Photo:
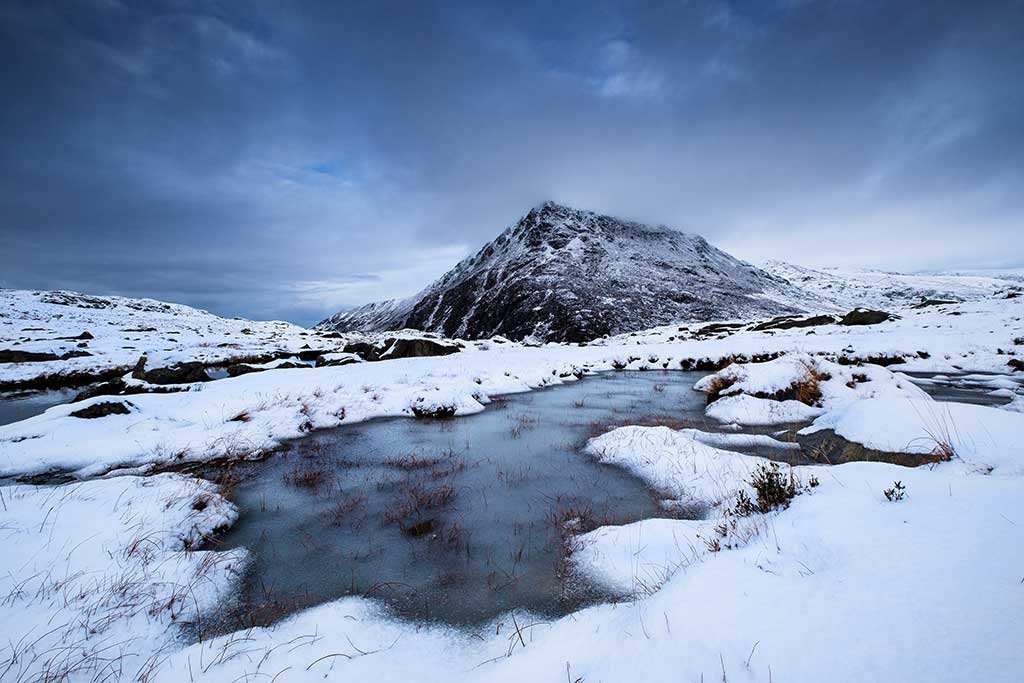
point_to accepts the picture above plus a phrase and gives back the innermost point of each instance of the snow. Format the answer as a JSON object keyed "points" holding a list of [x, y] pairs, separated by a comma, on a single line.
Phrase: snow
{"points": [[884, 290], [981, 436], [842, 580], [675, 463], [123, 329], [750, 410], [95, 577]]}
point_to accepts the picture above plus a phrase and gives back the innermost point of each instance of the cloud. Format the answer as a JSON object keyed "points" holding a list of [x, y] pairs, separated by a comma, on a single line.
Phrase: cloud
{"points": [[261, 160]]}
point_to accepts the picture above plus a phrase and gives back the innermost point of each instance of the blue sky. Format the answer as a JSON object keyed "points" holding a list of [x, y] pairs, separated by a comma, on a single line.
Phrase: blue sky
{"points": [[286, 159]]}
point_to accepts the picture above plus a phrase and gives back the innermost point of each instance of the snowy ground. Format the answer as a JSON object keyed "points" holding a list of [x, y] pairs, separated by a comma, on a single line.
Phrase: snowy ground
{"points": [[119, 330], [841, 584]]}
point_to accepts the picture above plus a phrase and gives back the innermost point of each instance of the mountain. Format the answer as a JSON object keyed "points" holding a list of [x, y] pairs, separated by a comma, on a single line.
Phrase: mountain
{"points": [[886, 290], [567, 275]]}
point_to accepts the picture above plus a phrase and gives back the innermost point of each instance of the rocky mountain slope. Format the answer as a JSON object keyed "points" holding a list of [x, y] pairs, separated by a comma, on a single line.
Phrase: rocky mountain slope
{"points": [[563, 274]]}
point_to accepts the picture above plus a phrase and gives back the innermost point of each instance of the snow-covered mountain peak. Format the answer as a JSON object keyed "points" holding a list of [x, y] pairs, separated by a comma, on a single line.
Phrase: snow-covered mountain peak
{"points": [[566, 274]]}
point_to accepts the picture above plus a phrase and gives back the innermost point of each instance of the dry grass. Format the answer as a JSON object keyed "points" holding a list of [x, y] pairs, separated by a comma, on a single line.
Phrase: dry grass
{"points": [[412, 462], [717, 385], [342, 510], [307, 476], [808, 389], [416, 500]]}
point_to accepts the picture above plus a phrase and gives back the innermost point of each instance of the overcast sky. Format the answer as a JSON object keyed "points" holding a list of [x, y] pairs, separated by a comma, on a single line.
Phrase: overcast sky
{"points": [[285, 159]]}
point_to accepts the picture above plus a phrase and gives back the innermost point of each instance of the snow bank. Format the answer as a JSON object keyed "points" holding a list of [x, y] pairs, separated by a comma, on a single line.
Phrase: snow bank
{"points": [[95, 576], [766, 393], [980, 436], [749, 410], [674, 463]]}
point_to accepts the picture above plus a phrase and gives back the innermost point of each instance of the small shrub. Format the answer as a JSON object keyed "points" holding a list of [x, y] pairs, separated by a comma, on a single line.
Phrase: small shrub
{"points": [[773, 488], [897, 493], [812, 481], [743, 507]]}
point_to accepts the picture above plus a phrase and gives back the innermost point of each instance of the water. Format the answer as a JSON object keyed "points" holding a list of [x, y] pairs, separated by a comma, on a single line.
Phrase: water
{"points": [[973, 388], [497, 495], [21, 405]]}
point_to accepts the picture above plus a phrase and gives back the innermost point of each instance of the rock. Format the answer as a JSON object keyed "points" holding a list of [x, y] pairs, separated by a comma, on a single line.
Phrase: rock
{"points": [[719, 328], [242, 369], [15, 356], [102, 410], [311, 354], [1016, 364], [934, 302], [336, 359], [873, 360], [401, 347], [112, 388], [865, 316], [364, 350], [239, 369], [182, 373], [787, 322], [418, 347]]}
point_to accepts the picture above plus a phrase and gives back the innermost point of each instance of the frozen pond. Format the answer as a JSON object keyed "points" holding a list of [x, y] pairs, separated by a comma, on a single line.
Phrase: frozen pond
{"points": [[455, 521]]}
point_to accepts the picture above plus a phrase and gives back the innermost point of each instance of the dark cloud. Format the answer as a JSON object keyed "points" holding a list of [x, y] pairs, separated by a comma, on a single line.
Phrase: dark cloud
{"points": [[285, 159]]}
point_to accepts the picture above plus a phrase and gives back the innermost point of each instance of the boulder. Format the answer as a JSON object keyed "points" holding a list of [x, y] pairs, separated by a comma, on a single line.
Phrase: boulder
{"points": [[242, 369], [719, 328], [865, 316], [102, 409], [924, 303], [416, 347], [311, 354], [364, 350], [335, 359], [182, 373], [15, 356], [1016, 364], [112, 388], [786, 322]]}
